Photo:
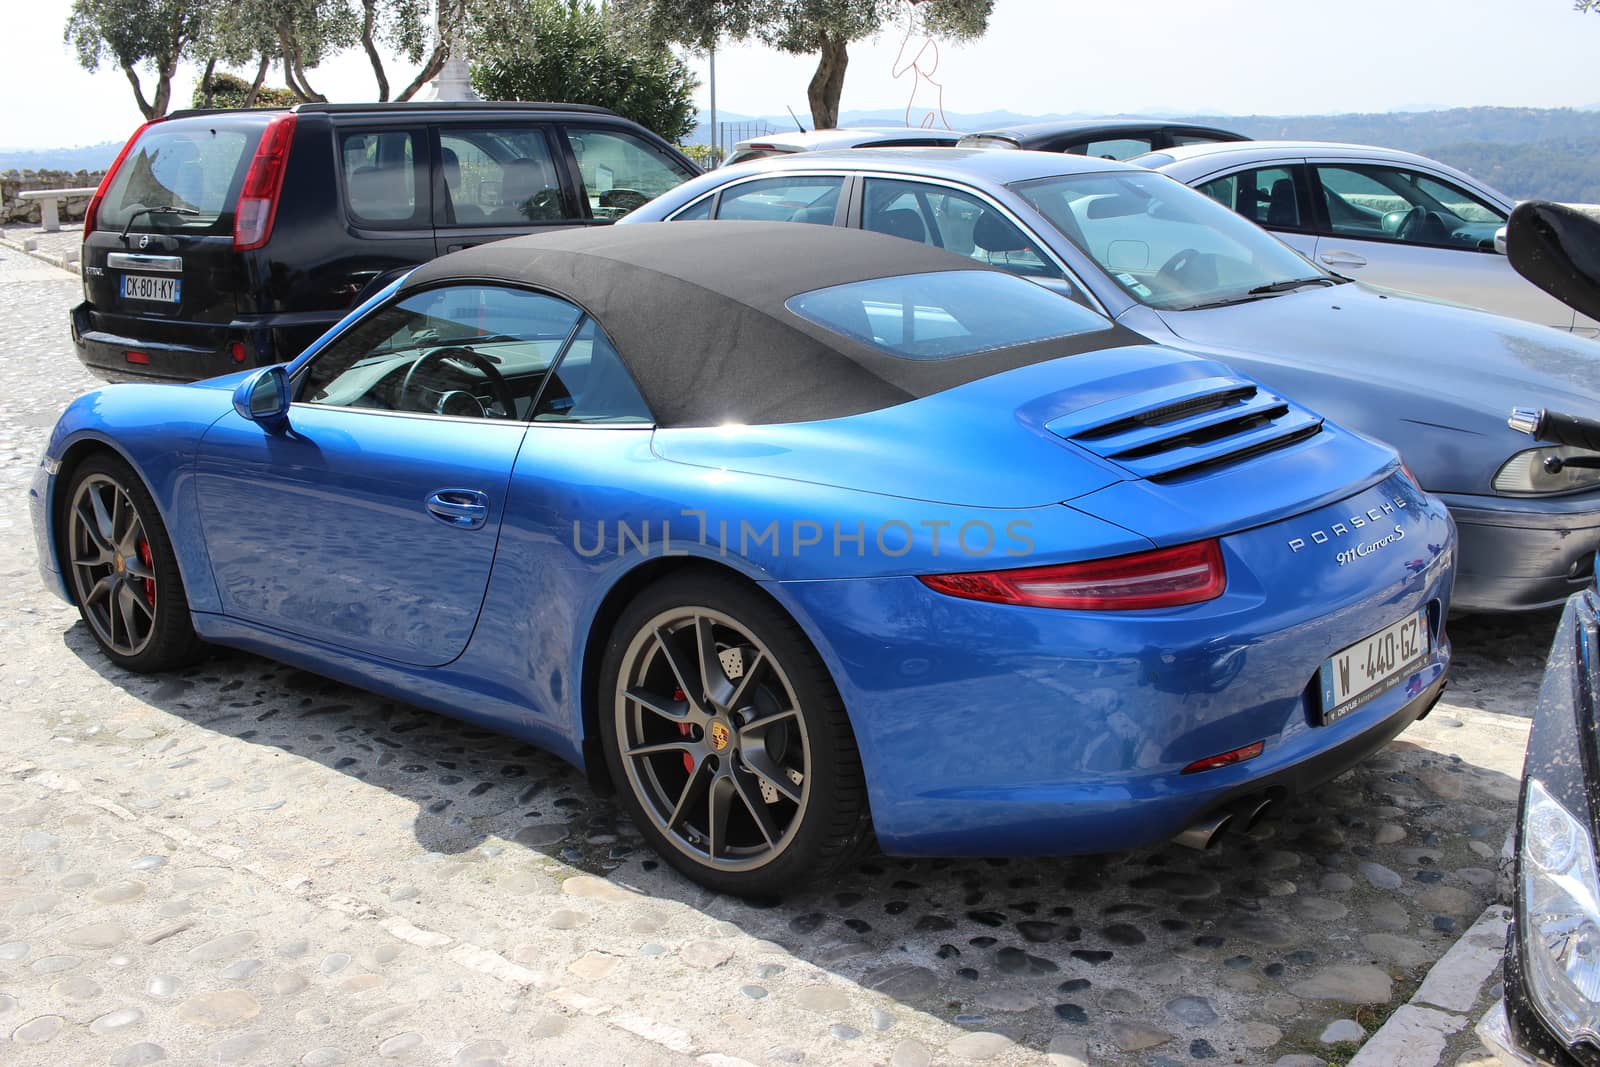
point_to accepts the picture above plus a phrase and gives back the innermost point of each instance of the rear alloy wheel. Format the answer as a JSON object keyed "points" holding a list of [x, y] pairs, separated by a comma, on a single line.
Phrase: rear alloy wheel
{"points": [[122, 569], [727, 739]]}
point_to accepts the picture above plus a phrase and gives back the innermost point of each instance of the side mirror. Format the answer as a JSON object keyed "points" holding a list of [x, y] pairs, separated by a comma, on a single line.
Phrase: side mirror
{"points": [[263, 397], [1557, 248], [1500, 240]]}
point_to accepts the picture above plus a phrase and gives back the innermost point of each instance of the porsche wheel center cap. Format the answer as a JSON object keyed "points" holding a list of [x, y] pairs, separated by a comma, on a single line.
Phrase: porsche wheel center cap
{"points": [[720, 735], [120, 563]]}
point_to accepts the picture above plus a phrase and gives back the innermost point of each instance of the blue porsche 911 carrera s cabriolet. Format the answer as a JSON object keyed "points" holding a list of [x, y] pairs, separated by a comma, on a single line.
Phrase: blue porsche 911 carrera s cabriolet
{"points": [[795, 536]]}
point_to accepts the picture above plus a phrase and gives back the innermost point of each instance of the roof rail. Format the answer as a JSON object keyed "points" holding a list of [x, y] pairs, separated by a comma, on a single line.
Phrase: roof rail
{"points": [[454, 105]]}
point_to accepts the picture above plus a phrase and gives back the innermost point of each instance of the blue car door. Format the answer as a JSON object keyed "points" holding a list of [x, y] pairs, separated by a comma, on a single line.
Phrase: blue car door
{"points": [[370, 521]]}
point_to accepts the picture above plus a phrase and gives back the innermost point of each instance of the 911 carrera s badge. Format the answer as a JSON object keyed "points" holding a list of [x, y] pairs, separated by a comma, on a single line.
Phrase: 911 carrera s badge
{"points": [[719, 736]]}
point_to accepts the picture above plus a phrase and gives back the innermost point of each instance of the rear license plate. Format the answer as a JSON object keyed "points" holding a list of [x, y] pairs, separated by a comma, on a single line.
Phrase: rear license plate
{"points": [[152, 287], [1373, 665]]}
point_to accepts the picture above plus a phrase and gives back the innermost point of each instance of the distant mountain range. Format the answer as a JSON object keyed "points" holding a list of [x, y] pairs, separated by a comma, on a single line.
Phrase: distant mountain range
{"points": [[87, 157], [1526, 152]]}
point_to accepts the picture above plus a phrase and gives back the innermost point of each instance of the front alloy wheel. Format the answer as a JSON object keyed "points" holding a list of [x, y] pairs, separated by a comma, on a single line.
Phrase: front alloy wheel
{"points": [[123, 572], [729, 740]]}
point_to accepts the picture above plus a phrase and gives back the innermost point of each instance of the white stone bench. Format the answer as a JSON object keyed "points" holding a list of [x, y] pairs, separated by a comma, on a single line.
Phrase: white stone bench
{"points": [[49, 217]]}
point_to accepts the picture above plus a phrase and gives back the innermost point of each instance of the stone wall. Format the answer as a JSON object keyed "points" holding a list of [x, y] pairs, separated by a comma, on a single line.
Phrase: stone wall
{"points": [[14, 210]]}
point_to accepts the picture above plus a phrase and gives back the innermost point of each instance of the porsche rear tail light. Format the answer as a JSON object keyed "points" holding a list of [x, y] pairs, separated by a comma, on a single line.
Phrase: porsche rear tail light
{"points": [[1161, 578], [92, 214], [263, 182]]}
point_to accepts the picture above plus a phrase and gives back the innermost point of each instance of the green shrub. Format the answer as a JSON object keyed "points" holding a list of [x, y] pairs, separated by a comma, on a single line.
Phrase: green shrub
{"points": [[230, 90]]}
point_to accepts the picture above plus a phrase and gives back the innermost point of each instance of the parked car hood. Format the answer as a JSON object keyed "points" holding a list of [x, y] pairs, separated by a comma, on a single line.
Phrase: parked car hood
{"points": [[1368, 359]]}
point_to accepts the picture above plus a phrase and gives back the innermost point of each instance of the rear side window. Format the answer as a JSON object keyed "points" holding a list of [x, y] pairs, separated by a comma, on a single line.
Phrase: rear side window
{"points": [[945, 315], [590, 384], [193, 171], [806, 199], [383, 172], [622, 171]]}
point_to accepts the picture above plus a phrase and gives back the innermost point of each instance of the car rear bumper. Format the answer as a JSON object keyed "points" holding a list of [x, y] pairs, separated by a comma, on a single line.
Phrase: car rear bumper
{"points": [[189, 351], [990, 729], [1523, 554]]}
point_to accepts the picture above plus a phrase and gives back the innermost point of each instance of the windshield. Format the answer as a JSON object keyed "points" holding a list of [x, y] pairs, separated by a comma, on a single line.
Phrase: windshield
{"points": [[192, 168], [1166, 245], [945, 315]]}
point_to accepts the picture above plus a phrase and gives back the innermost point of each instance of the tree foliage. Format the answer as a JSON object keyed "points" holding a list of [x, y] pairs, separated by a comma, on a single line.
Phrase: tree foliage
{"points": [[574, 52], [155, 36], [823, 28]]}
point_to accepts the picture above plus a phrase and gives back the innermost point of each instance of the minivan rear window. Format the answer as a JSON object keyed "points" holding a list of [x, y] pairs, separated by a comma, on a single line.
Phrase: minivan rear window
{"points": [[192, 167], [945, 315]]}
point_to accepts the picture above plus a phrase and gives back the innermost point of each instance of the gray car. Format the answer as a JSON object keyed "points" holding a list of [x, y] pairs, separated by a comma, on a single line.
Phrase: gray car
{"points": [[1433, 380], [1385, 217]]}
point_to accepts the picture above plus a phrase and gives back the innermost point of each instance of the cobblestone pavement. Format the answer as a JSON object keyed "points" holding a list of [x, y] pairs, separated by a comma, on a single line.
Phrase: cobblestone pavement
{"points": [[244, 863]]}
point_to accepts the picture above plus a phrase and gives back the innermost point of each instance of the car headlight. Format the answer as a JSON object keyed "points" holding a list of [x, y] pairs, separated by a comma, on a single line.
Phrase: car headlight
{"points": [[1561, 913], [1528, 472]]}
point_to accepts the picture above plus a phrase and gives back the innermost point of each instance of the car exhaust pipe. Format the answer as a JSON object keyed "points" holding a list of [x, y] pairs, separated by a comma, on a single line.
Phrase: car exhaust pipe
{"points": [[1202, 833], [1250, 811]]}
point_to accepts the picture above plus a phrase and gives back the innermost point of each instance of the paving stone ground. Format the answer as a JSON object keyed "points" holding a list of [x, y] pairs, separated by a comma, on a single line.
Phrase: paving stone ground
{"points": [[244, 863]]}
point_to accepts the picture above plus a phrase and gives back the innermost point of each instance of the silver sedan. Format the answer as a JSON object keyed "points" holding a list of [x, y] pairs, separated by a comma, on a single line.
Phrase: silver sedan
{"points": [[1387, 218]]}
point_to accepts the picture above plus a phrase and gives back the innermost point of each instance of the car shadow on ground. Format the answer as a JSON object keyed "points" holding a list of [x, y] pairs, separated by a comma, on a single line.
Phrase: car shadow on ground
{"points": [[1243, 953]]}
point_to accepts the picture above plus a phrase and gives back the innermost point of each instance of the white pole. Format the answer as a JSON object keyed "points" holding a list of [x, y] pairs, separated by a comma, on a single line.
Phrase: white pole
{"points": [[454, 81], [716, 136]]}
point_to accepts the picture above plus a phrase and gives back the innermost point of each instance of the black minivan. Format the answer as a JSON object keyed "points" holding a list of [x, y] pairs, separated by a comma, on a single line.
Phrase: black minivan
{"points": [[228, 239]]}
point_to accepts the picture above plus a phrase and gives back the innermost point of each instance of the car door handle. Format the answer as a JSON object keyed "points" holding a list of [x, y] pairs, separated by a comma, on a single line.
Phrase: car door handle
{"points": [[1343, 259], [466, 508]]}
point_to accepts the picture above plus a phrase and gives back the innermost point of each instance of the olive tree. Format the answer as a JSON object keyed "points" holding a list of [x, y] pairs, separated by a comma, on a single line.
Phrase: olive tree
{"points": [[153, 36], [823, 28]]}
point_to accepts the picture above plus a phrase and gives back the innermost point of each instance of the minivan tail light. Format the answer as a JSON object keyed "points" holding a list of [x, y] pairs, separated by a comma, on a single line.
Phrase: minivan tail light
{"points": [[1161, 578], [258, 198], [92, 214]]}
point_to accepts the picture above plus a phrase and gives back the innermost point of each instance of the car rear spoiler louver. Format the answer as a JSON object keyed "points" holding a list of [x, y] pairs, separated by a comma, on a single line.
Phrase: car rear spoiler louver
{"points": [[1188, 428]]}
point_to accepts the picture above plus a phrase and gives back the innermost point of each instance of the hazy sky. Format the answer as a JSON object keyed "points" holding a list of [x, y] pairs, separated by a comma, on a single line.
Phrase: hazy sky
{"points": [[1179, 56]]}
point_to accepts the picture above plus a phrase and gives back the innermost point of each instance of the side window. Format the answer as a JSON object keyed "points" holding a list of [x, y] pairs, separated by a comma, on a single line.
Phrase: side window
{"points": [[1389, 204], [953, 220], [809, 199], [621, 171], [474, 351], [1113, 148], [1269, 196], [498, 176], [1180, 139], [695, 212], [590, 384], [383, 178]]}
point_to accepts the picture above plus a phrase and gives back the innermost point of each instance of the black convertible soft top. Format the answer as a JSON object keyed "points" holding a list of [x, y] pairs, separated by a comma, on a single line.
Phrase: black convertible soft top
{"points": [[697, 311]]}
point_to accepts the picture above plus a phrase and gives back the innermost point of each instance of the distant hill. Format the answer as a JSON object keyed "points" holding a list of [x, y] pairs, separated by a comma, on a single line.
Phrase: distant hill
{"points": [[92, 157], [1568, 171], [1553, 153]]}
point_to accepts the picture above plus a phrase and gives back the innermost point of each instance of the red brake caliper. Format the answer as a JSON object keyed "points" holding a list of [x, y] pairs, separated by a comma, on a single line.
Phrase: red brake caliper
{"points": [[149, 583], [684, 729]]}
